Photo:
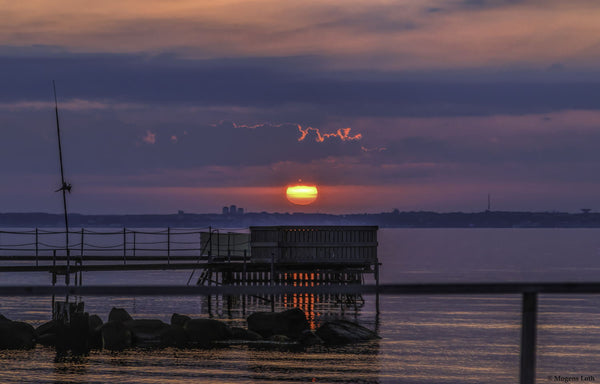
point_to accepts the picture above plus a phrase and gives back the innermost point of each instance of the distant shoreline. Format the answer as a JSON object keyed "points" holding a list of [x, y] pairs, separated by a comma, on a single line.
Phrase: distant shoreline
{"points": [[394, 219]]}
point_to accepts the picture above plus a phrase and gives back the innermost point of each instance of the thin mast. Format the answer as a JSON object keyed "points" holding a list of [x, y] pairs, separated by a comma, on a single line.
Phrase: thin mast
{"points": [[64, 186]]}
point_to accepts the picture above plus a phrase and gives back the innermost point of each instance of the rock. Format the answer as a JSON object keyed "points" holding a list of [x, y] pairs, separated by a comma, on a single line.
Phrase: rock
{"points": [[290, 323], [94, 335], [49, 327], [115, 336], [279, 339], [238, 333], [95, 322], [205, 331], [16, 335], [146, 332], [2, 318], [47, 339], [177, 319], [174, 336], [309, 338], [119, 314], [343, 332], [78, 333]]}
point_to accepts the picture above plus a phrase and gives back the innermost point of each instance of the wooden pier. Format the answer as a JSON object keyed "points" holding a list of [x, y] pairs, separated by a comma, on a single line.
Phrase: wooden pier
{"points": [[282, 255]]}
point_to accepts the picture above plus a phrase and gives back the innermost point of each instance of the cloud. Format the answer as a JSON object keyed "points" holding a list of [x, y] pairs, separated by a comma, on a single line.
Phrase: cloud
{"points": [[342, 133], [375, 149], [149, 138], [399, 35], [69, 105], [290, 89]]}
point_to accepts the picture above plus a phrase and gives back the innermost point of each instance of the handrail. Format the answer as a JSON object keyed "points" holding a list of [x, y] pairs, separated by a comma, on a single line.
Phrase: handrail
{"points": [[170, 241], [529, 292]]}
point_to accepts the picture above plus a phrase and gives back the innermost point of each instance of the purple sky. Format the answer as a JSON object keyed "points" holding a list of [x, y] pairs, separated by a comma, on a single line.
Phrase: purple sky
{"points": [[191, 105]]}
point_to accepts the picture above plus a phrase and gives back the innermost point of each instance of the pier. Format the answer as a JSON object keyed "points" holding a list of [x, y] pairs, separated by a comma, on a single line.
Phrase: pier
{"points": [[275, 255], [266, 261]]}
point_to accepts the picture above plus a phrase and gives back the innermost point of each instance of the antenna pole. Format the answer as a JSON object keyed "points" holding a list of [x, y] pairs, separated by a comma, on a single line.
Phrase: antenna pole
{"points": [[64, 187]]}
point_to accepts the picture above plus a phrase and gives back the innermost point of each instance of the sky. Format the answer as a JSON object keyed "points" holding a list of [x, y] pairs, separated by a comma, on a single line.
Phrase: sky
{"points": [[194, 105]]}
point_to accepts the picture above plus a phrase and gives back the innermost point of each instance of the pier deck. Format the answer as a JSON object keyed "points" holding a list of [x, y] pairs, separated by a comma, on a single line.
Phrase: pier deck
{"points": [[116, 263], [258, 255]]}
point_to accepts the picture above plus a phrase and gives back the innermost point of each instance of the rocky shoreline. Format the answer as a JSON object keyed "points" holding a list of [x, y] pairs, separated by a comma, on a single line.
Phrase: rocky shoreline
{"points": [[84, 332]]}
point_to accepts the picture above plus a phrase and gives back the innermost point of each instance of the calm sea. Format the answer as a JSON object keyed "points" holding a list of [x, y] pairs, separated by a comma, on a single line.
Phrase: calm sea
{"points": [[425, 339]]}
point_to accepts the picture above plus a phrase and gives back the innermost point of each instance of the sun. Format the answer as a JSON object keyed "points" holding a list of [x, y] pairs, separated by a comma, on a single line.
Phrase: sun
{"points": [[302, 194]]}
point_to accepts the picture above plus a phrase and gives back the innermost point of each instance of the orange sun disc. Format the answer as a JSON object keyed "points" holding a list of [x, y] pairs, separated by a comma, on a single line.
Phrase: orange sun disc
{"points": [[302, 194]]}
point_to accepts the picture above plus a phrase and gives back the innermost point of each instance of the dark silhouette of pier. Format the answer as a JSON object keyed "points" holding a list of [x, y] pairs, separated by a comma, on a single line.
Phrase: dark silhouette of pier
{"points": [[255, 256]]}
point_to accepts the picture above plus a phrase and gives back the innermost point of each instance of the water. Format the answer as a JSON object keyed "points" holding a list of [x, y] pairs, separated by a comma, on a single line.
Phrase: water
{"points": [[425, 339]]}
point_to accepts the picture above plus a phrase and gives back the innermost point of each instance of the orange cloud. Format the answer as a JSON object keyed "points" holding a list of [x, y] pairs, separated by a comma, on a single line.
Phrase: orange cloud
{"points": [[150, 138], [389, 35], [342, 133]]}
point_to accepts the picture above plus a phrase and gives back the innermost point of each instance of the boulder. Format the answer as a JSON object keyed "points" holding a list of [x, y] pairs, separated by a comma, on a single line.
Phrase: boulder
{"points": [[308, 338], [119, 314], [238, 333], [78, 333], [94, 335], [47, 339], [177, 319], [290, 323], [49, 327], [279, 339], [174, 336], [95, 322], [205, 331], [16, 335], [343, 332], [146, 332], [115, 336]]}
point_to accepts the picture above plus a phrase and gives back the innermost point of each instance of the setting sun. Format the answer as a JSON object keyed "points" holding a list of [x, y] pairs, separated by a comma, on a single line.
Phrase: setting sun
{"points": [[302, 194]]}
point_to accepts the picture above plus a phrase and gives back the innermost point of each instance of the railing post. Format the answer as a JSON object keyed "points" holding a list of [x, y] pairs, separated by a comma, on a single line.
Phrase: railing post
{"points": [[36, 247], [124, 246], [168, 245], [209, 244], [53, 268], [218, 243], [68, 273], [80, 282], [376, 266], [81, 250], [134, 243], [528, 337]]}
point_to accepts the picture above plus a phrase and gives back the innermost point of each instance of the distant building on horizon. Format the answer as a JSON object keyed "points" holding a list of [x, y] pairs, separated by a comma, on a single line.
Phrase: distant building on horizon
{"points": [[232, 210]]}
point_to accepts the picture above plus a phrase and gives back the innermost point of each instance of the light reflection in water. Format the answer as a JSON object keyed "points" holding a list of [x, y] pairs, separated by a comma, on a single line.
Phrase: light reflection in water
{"points": [[424, 339], [317, 306]]}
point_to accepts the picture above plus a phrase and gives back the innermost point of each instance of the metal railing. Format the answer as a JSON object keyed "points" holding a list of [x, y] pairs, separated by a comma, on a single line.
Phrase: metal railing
{"points": [[122, 244], [528, 291]]}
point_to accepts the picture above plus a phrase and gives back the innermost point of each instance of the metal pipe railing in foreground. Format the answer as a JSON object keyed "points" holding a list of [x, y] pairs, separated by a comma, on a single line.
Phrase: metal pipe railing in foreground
{"points": [[529, 292]]}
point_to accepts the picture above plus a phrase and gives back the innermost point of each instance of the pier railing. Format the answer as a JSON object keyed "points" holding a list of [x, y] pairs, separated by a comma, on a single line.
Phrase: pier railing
{"points": [[170, 244]]}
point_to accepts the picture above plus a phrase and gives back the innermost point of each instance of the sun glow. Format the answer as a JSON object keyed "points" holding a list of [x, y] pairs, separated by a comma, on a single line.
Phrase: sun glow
{"points": [[302, 194]]}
